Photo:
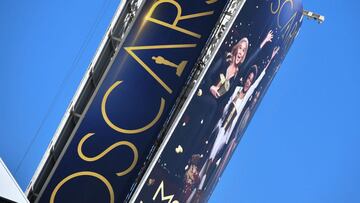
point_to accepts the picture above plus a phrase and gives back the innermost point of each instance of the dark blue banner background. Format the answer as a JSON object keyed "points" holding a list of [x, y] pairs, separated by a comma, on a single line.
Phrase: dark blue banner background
{"points": [[94, 165], [213, 123]]}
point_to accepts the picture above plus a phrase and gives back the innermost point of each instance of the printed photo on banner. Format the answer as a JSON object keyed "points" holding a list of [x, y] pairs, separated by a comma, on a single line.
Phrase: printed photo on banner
{"points": [[219, 112]]}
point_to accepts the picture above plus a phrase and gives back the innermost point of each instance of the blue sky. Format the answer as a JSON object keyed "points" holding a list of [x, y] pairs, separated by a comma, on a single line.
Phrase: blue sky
{"points": [[302, 145]]}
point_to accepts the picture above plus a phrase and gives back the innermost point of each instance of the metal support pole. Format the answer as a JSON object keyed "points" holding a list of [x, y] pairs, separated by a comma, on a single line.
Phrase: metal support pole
{"points": [[311, 15]]}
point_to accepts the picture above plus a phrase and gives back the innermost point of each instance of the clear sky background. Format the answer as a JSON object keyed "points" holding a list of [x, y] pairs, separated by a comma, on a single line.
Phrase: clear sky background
{"points": [[303, 144]]}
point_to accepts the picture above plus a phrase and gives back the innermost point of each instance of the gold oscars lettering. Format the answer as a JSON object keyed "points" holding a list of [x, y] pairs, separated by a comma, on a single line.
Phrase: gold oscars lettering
{"points": [[161, 190], [122, 130], [289, 28], [279, 9], [173, 26], [131, 52], [80, 174], [102, 154], [179, 17], [161, 62]]}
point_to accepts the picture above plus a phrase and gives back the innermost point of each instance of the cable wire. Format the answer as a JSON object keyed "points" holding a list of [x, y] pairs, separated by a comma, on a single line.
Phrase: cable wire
{"points": [[68, 75]]}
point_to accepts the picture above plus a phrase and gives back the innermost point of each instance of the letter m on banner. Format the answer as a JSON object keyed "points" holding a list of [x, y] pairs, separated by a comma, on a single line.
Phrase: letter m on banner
{"points": [[168, 198]]}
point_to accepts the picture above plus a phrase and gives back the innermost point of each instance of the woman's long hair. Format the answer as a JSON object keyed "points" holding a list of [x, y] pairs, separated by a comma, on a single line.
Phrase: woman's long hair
{"points": [[231, 56]]}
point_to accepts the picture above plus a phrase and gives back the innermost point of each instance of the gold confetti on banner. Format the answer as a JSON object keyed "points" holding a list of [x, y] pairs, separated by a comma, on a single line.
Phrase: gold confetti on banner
{"points": [[199, 93], [179, 149], [211, 1]]}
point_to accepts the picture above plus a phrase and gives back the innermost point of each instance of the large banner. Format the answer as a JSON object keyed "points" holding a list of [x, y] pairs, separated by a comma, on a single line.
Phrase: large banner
{"points": [[214, 121], [122, 122]]}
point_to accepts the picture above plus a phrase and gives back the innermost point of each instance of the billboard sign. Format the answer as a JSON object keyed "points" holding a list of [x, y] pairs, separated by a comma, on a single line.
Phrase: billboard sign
{"points": [[123, 119], [198, 149]]}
